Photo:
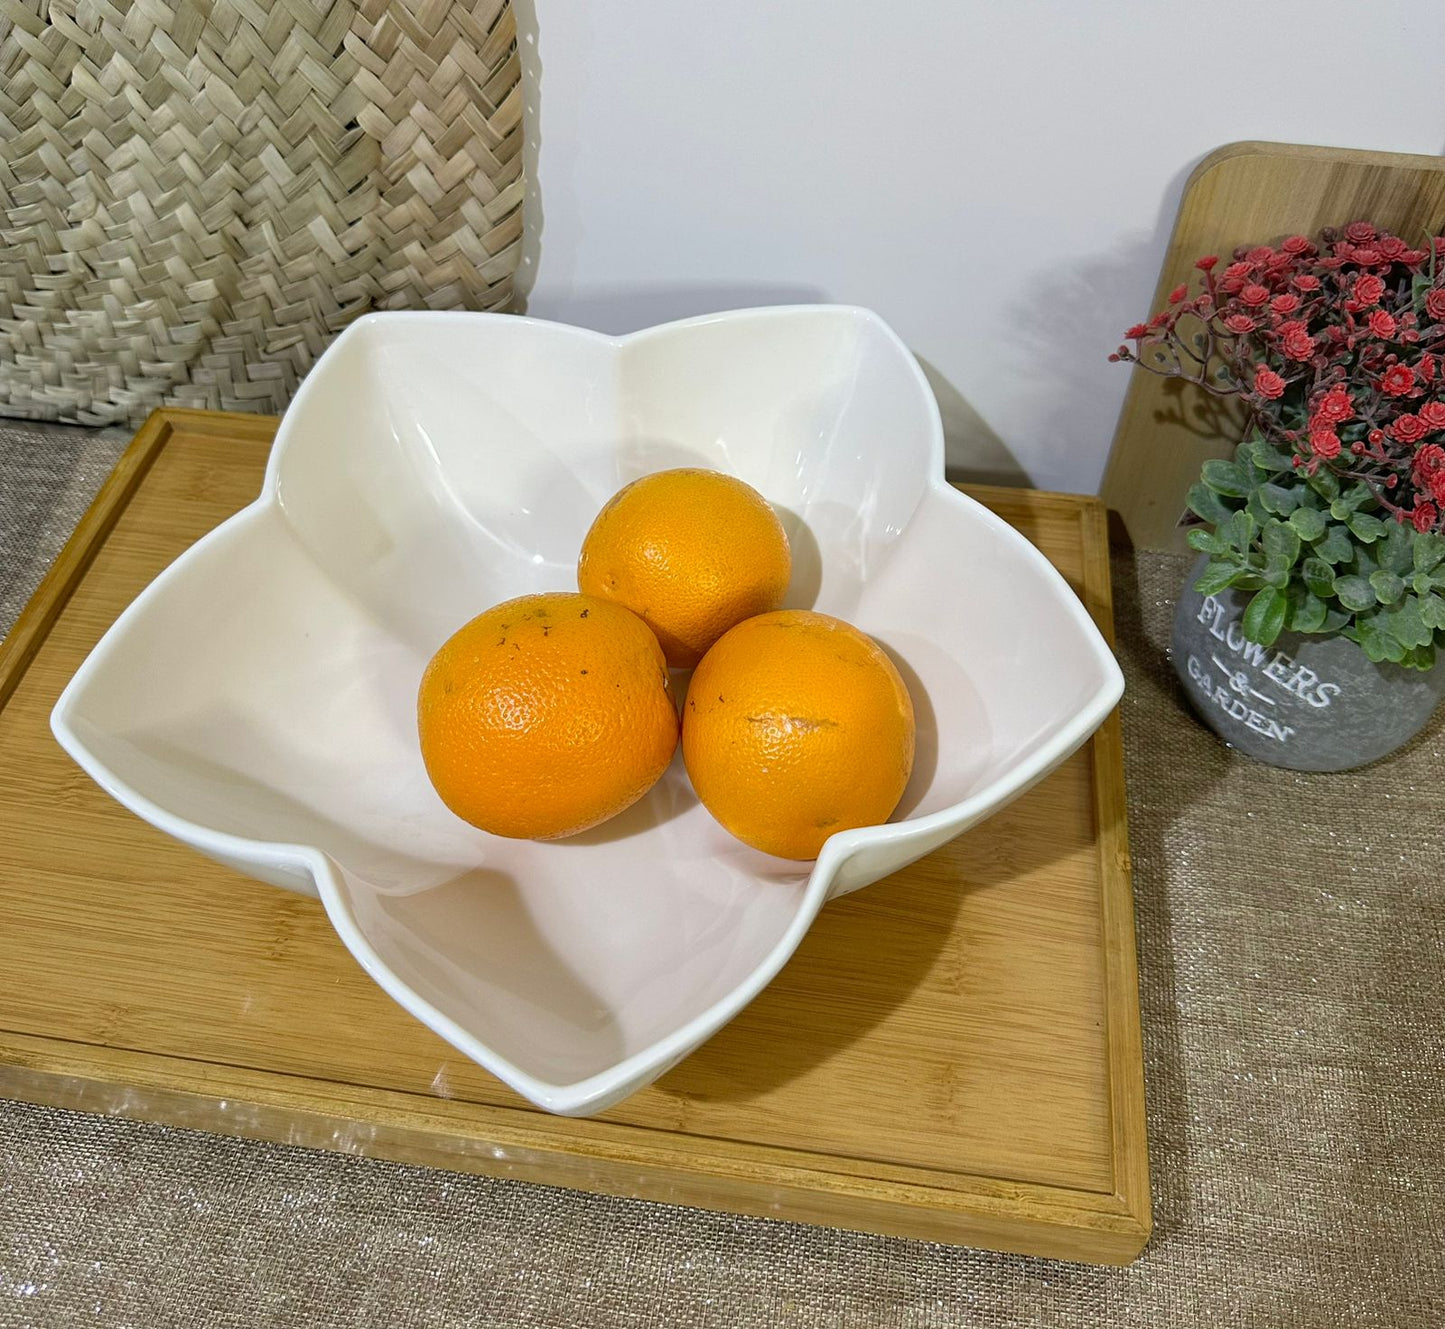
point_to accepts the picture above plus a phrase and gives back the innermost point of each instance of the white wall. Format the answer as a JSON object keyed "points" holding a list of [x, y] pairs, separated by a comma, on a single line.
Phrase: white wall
{"points": [[997, 180]]}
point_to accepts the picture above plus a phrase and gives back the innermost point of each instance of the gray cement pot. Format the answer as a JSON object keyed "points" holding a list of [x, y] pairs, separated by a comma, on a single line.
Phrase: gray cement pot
{"points": [[1306, 703]]}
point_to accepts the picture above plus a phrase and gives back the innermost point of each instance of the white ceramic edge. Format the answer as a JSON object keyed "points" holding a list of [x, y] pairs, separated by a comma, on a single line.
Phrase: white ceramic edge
{"points": [[601, 1091]]}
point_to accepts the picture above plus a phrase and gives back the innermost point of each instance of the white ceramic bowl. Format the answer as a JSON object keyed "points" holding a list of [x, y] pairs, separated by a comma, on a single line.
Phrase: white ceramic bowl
{"points": [[257, 701]]}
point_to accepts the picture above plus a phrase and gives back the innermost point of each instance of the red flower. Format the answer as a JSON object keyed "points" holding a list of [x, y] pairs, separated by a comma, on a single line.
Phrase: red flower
{"points": [[1206, 263], [1368, 289], [1368, 256], [1284, 304], [1435, 303], [1177, 294], [1361, 232], [1423, 518], [1240, 323], [1269, 384], [1408, 429], [1425, 367], [1433, 414], [1307, 282], [1429, 460], [1260, 255], [1437, 486], [1292, 327], [1254, 294], [1299, 346], [1325, 443], [1159, 319], [1335, 407], [1397, 380], [1382, 324], [1137, 331], [1295, 244], [1233, 278], [1390, 247]]}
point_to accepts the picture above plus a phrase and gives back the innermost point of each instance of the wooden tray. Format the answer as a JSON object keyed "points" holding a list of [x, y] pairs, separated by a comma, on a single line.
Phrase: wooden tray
{"points": [[953, 1054], [1245, 193]]}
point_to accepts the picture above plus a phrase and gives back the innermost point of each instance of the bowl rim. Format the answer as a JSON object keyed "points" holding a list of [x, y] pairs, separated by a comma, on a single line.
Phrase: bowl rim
{"points": [[603, 1088]]}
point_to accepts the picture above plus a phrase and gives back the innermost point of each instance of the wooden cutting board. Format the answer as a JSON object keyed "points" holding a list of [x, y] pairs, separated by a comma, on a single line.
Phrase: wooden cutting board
{"points": [[1244, 194], [953, 1053]]}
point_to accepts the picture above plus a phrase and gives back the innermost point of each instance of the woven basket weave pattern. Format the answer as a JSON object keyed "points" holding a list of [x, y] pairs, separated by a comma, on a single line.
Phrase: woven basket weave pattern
{"points": [[196, 197]]}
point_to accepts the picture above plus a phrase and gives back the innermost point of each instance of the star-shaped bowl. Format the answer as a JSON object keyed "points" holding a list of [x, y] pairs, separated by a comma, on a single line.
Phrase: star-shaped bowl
{"points": [[257, 701]]}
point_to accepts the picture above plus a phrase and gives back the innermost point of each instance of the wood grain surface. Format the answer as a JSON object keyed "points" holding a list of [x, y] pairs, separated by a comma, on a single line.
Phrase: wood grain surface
{"points": [[953, 1053], [1245, 194]]}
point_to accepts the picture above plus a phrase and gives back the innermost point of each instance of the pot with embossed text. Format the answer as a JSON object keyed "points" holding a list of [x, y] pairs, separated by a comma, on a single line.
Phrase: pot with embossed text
{"points": [[1308, 703]]}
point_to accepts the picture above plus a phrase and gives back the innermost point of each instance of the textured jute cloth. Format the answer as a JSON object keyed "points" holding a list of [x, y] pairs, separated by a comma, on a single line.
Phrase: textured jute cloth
{"points": [[1292, 961]]}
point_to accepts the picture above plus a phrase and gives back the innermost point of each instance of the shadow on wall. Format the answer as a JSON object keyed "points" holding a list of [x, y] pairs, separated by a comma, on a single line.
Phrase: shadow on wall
{"points": [[1071, 318], [973, 453]]}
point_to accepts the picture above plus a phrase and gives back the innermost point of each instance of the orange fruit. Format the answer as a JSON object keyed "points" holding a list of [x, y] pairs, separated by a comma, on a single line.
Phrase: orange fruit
{"points": [[692, 552], [546, 715], [796, 726]]}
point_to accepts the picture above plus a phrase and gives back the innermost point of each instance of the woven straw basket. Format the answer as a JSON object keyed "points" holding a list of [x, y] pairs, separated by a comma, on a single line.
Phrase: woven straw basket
{"points": [[197, 195]]}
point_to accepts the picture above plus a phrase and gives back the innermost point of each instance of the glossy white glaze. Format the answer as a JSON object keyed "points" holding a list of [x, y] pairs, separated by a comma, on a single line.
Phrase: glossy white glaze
{"points": [[257, 700]]}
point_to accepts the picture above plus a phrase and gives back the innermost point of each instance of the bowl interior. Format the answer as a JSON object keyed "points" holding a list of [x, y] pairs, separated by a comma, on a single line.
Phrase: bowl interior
{"points": [[433, 465]]}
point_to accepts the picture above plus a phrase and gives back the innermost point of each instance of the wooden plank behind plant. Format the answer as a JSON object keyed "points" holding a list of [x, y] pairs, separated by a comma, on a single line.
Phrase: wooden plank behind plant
{"points": [[952, 1054], [1245, 193]]}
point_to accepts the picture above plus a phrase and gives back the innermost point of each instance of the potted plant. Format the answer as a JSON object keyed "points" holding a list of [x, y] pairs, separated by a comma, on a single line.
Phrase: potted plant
{"points": [[1317, 606]]}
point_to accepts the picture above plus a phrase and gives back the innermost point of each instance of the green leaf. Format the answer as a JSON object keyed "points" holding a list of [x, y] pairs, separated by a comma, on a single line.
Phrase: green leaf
{"points": [[1216, 577], [1335, 620], [1406, 625], [1240, 530], [1377, 644], [1422, 657], [1395, 550], [1325, 483], [1308, 524], [1204, 502], [1336, 547], [1281, 544], [1278, 499], [1358, 494], [1227, 478], [1318, 576], [1432, 611], [1420, 290], [1388, 587], [1355, 593], [1264, 617], [1306, 611], [1365, 527], [1429, 551], [1206, 542], [1270, 458]]}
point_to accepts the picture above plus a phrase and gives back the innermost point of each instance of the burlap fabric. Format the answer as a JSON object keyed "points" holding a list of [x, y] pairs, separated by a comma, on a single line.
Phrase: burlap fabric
{"points": [[197, 195], [1292, 956]]}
